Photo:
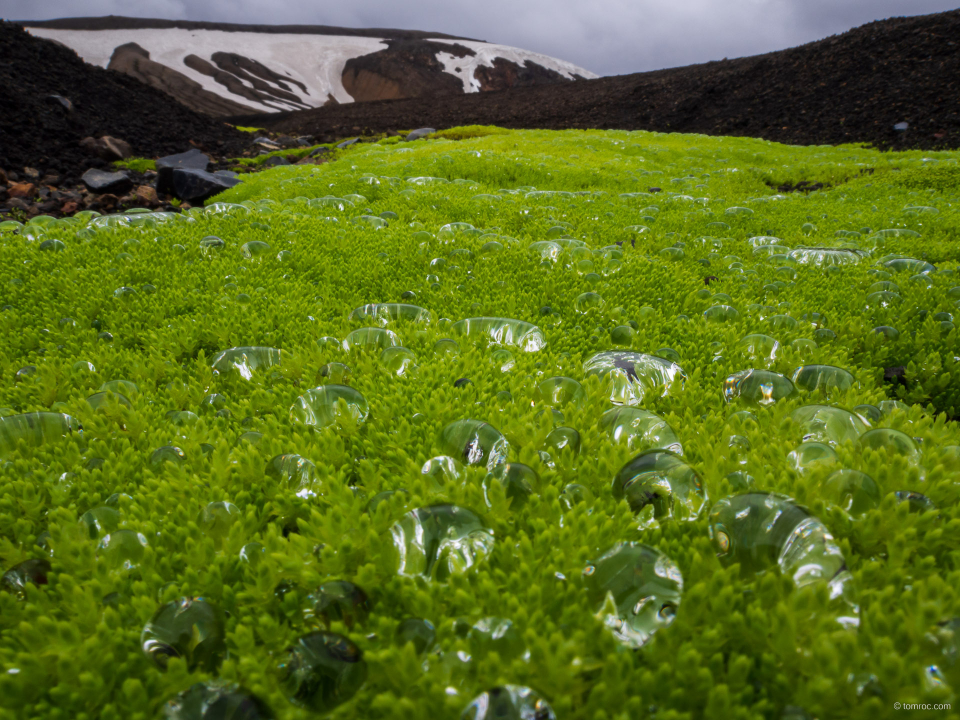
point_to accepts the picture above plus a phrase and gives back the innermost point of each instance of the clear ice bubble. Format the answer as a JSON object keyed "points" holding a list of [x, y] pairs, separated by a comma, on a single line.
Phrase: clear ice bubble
{"points": [[322, 670], [826, 424], [823, 377], [636, 591], [189, 628], [330, 405], [631, 376], [474, 442], [384, 314], [216, 700], [370, 339], [439, 541], [502, 331], [640, 430], [761, 531], [245, 360], [663, 481], [762, 387]]}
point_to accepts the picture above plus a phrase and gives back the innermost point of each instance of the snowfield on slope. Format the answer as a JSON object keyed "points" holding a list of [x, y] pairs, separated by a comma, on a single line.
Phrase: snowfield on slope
{"points": [[317, 61]]}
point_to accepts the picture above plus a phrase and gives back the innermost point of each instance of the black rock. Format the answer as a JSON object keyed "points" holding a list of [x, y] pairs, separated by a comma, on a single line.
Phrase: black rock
{"points": [[654, 189], [61, 101], [275, 160], [320, 151], [226, 174], [420, 133], [190, 160], [348, 143], [195, 185], [100, 181]]}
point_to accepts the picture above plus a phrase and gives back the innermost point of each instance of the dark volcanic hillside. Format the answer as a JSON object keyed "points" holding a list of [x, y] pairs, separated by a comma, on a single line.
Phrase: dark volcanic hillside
{"points": [[852, 87], [40, 133]]}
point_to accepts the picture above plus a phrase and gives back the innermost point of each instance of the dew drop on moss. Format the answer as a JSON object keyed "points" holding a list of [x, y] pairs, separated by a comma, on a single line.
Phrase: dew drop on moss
{"points": [[636, 591], [639, 430], [761, 387], [330, 405], [832, 425], [28, 572], [417, 631], [216, 700], [474, 442], [662, 481], [322, 670], [439, 541], [631, 376], [189, 628], [337, 601], [502, 331], [122, 549], [245, 360]]}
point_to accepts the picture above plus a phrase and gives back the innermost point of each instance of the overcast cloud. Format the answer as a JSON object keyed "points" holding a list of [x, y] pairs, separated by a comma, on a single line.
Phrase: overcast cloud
{"points": [[608, 37]]}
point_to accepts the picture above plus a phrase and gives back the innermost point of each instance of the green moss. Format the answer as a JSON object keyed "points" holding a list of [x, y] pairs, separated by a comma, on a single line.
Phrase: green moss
{"points": [[249, 129], [518, 226], [465, 132], [136, 164]]}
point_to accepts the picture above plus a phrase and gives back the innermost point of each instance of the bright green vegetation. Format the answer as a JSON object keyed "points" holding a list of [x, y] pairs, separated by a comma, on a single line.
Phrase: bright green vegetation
{"points": [[249, 129], [137, 164], [486, 427], [297, 153]]}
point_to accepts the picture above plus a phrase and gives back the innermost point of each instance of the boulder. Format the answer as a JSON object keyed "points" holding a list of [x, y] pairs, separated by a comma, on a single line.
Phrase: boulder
{"points": [[348, 143], [275, 160], [189, 160], [61, 101], [147, 196], [226, 174], [320, 151], [107, 148], [196, 186], [420, 133], [100, 181], [22, 190]]}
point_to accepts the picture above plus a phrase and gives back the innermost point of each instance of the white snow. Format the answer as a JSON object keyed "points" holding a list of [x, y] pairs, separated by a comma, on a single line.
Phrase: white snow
{"points": [[315, 60]]}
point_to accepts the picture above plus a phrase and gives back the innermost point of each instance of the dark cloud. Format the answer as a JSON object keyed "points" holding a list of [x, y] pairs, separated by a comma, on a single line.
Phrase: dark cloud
{"points": [[605, 36]]}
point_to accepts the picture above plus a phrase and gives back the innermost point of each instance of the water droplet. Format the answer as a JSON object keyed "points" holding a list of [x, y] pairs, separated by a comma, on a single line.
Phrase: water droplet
{"points": [[721, 314], [891, 442], [639, 430], [36, 429], [809, 455], [216, 519], [662, 480], [417, 631], [100, 521], [502, 331], [216, 701], [297, 473], [439, 541], [826, 257], [494, 634], [759, 347], [632, 375], [636, 590], [588, 301], [337, 601], [384, 314], [823, 377], [760, 531], [370, 339], [442, 470], [166, 454], [330, 405], [852, 491], [28, 572], [323, 670], [519, 482], [446, 347], [559, 392], [122, 549], [245, 360], [189, 628], [474, 442], [757, 386], [399, 361], [335, 372], [255, 249], [832, 425]]}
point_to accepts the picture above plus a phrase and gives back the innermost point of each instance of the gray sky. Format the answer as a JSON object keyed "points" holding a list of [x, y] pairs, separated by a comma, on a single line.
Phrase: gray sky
{"points": [[609, 37]]}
